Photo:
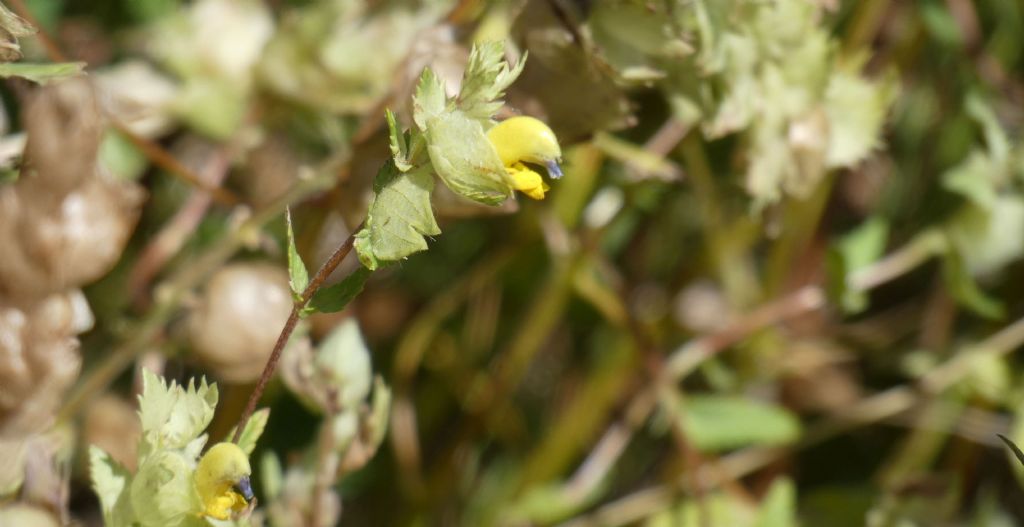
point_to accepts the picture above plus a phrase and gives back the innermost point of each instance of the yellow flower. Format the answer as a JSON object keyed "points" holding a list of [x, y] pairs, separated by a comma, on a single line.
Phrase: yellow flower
{"points": [[521, 140], [222, 480]]}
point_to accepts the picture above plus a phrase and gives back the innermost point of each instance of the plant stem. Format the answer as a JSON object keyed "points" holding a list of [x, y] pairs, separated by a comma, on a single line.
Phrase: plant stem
{"points": [[318, 279], [169, 294]]}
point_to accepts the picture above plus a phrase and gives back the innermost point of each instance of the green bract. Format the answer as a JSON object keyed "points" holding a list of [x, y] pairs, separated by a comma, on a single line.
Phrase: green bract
{"points": [[399, 217], [449, 139], [162, 492], [465, 160]]}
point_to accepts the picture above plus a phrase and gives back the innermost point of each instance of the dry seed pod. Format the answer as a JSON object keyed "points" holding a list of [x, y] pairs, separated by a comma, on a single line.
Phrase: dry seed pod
{"points": [[243, 309], [22, 514], [38, 360], [64, 127], [48, 250]]}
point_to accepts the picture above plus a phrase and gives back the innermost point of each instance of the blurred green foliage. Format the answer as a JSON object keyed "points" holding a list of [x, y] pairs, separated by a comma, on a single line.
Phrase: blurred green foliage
{"points": [[779, 284]]}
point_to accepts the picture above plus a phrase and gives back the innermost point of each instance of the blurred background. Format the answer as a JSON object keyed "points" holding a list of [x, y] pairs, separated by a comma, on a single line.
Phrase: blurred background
{"points": [[780, 283]]}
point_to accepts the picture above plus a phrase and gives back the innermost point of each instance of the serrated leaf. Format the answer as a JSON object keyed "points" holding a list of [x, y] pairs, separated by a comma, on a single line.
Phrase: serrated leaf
{"points": [[465, 159], [485, 80], [396, 139], [715, 423], [41, 73], [109, 480], [298, 276], [253, 430], [172, 416], [430, 100], [855, 251], [334, 298], [399, 217]]}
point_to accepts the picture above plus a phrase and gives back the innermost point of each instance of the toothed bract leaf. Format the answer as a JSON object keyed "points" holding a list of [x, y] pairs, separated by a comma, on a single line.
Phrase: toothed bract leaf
{"points": [[399, 217], [172, 416], [465, 160], [109, 480], [429, 101], [162, 492], [485, 80]]}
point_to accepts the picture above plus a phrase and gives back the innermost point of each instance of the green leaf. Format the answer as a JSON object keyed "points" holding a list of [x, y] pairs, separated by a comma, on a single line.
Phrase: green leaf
{"points": [[995, 137], [778, 509], [974, 178], [271, 475], [988, 238], [430, 100], [964, 289], [252, 431], [1013, 448], [298, 276], [399, 217], [399, 148], [380, 412], [172, 416], [485, 80], [715, 423], [109, 480], [41, 73], [465, 159], [855, 251], [334, 298]]}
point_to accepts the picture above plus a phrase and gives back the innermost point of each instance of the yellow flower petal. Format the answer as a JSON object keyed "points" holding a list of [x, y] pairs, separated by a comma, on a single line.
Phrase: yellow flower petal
{"points": [[527, 181]]}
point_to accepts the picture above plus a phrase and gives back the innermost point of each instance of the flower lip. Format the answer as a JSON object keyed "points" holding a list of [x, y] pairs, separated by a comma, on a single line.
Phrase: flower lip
{"points": [[553, 169], [244, 488]]}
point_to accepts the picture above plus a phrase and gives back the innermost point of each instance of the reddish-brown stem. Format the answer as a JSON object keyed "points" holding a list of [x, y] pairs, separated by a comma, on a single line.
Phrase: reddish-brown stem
{"points": [[318, 279]]}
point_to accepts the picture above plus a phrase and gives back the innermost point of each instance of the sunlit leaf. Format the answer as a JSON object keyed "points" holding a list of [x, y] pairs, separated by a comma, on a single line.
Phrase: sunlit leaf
{"points": [[715, 423], [853, 252], [465, 160], [253, 430], [399, 218], [41, 73]]}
